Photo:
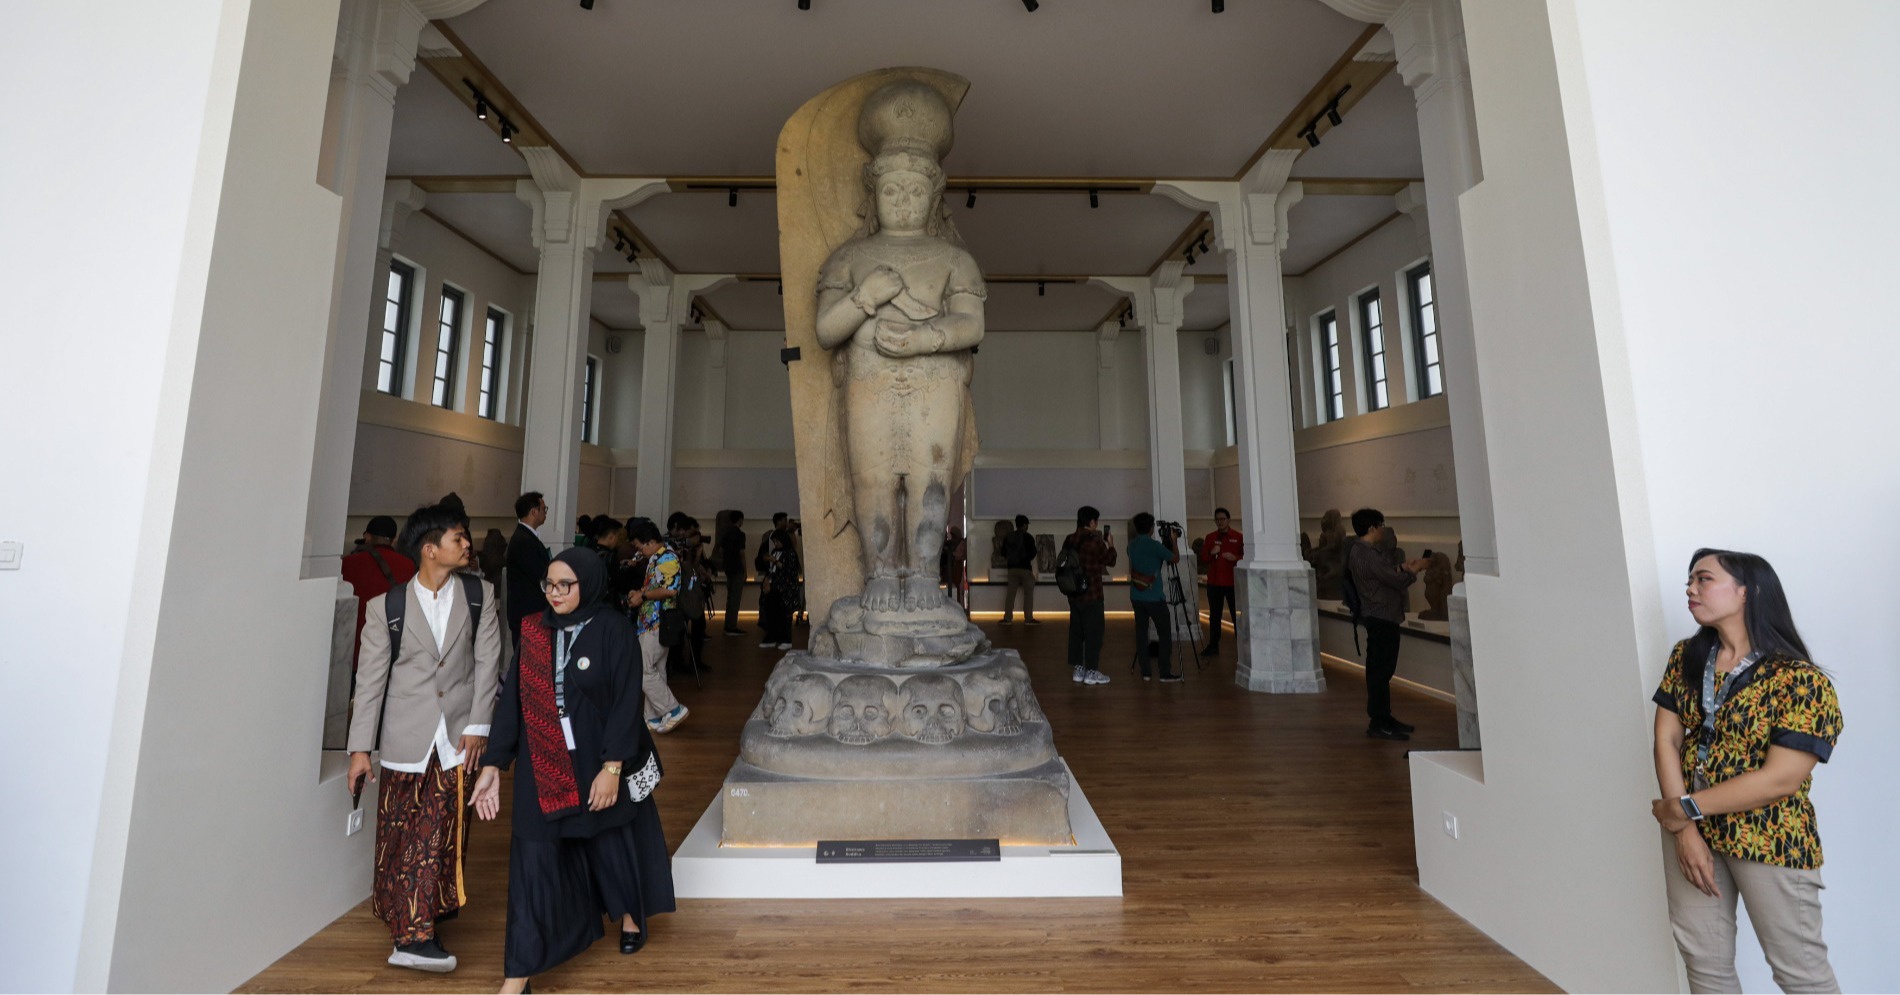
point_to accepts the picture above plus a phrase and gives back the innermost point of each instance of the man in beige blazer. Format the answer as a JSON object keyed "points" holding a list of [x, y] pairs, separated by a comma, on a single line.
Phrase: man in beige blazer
{"points": [[428, 714]]}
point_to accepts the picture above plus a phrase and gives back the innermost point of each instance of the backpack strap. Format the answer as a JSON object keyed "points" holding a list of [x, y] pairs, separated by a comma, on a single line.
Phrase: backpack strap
{"points": [[382, 565], [395, 606], [472, 589]]}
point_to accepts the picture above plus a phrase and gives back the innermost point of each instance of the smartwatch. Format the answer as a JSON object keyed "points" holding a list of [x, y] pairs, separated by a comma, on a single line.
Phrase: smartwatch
{"points": [[1690, 808]]}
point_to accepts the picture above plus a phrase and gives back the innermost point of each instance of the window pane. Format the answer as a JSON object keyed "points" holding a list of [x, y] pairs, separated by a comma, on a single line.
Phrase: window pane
{"points": [[1431, 350], [1431, 379], [383, 375]]}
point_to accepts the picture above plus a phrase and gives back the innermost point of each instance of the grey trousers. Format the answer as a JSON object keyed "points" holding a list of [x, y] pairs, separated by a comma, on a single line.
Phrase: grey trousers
{"points": [[1024, 581], [1784, 904], [659, 697]]}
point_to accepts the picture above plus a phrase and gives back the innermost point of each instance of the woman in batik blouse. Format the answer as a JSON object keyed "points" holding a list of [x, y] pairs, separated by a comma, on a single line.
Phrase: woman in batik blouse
{"points": [[1742, 717]]}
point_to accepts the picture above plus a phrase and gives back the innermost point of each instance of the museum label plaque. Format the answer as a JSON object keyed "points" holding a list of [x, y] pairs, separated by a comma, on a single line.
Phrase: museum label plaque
{"points": [[907, 851]]}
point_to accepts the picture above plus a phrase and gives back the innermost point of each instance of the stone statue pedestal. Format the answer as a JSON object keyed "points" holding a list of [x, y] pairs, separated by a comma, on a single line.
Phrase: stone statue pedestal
{"points": [[844, 749]]}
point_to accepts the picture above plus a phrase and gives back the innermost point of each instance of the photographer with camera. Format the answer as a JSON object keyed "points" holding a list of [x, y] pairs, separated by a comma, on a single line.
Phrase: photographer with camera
{"points": [[1149, 596]]}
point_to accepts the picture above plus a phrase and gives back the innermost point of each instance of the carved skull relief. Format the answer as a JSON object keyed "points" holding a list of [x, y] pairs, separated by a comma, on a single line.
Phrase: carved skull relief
{"points": [[866, 709], [802, 706], [999, 701], [932, 709]]}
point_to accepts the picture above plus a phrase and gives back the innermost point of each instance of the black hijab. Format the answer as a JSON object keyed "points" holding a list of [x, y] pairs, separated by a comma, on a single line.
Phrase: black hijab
{"points": [[592, 575]]}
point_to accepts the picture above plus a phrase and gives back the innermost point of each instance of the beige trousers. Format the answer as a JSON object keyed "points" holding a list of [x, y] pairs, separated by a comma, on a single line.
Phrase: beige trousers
{"points": [[1024, 581], [659, 697], [1784, 904]]}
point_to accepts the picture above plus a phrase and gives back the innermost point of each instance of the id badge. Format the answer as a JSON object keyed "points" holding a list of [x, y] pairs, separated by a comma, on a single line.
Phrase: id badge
{"points": [[567, 732]]}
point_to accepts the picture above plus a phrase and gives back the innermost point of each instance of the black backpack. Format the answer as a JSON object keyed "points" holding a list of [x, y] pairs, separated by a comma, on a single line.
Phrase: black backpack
{"points": [[395, 606], [1071, 579], [1349, 593]]}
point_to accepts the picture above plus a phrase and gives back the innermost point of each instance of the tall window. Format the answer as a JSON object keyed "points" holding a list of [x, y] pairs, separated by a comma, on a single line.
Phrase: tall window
{"points": [[1332, 376], [1233, 422], [489, 404], [1372, 347], [1431, 374], [396, 296], [447, 343], [588, 386]]}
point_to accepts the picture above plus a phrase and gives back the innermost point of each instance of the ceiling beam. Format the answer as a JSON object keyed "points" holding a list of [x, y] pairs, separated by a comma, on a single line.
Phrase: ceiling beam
{"points": [[1361, 76], [1354, 186]]}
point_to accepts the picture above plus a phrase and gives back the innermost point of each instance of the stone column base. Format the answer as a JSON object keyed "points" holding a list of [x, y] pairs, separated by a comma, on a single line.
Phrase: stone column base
{"points": [[1279, 646], [1464, 682]]}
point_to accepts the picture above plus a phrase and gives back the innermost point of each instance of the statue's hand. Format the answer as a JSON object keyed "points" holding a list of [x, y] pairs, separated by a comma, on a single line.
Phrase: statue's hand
{"points": [[896, 339], [879, 287]]}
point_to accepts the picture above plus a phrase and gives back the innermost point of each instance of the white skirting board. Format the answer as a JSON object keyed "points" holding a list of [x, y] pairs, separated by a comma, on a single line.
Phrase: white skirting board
{"points": [[1092, 868]]}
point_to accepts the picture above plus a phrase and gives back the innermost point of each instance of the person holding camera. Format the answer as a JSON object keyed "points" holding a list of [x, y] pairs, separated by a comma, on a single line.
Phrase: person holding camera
{"points": [[1381, 592], [1148, 594], [1085, 558]]}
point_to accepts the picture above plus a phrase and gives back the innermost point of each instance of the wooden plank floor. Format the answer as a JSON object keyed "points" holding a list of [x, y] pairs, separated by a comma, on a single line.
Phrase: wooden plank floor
{"points": [[1266, 846]]}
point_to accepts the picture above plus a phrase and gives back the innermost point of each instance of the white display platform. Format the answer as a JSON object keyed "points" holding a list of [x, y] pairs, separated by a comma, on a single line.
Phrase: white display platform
{"points": [[1090, 869]]}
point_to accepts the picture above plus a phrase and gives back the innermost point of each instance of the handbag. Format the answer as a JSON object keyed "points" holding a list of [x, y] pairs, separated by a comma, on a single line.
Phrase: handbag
{"points": [[641, 782], [1140, 581]]}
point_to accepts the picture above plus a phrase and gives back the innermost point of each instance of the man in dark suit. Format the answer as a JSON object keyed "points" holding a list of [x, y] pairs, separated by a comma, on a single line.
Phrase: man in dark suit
{"points": [[527, 561], [732, 564]]}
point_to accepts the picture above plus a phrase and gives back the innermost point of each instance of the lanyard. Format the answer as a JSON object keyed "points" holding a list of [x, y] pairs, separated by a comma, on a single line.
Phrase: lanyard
{"points": [[563, 645], [1712, 701]]}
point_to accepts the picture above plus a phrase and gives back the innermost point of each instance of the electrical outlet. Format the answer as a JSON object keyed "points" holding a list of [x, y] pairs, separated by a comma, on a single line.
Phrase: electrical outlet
{"points": [[1451, 825], [10, 555], [354, 824]]}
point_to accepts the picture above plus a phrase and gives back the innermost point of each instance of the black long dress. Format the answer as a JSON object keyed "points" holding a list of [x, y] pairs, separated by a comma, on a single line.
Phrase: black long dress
{"points": [[565, 873]]}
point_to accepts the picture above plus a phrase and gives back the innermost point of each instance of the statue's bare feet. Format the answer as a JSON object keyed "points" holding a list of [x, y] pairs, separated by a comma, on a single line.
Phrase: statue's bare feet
{"points": [[921, 593], [881, 594]]}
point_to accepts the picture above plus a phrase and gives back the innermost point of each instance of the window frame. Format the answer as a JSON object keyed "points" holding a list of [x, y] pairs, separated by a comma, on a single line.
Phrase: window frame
{"points": [[1332, 366], [444, 377], [1427, 346], [488, 389], [395, 341], [1372, 350], [590, 390]]}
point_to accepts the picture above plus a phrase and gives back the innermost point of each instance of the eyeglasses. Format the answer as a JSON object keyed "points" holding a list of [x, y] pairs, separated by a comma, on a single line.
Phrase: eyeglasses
{"points": [[560, 587]]}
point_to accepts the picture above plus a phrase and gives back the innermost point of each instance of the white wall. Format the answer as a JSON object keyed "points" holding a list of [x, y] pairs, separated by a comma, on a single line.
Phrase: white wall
{"points": [[1377, 261], [1644, 302], [160, 144], [1735, 376], [1204, 390], [758, 392], [1040, 390]]}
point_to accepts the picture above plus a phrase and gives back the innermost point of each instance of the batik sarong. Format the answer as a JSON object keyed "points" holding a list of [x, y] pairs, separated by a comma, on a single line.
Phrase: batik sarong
{"points": [[419, 832]]}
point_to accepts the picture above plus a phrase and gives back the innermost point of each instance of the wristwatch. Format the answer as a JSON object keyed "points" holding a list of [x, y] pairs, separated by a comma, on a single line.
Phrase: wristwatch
{"points": [[614, 769], [1690, 808]]}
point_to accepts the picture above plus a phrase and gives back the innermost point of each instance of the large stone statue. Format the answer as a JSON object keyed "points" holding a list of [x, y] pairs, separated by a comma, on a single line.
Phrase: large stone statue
{"points": [[900, 721], [902, 303]]}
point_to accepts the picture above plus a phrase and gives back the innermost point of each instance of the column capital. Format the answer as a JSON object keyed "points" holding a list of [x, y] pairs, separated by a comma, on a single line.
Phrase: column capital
{"points": [[1171, 289], [401, 198], [1251, 210], [1428, 38], [1411, 203], [1368, 11]]}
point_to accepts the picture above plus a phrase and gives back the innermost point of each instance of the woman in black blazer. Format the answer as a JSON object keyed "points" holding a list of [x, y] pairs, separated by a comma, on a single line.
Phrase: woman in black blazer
{"points": [[581, 845]]}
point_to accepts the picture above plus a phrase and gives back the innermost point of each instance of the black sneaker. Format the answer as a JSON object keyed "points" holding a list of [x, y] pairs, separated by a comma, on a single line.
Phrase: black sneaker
{"points": [[1380, 731], [1400, 726], [425, 956], [1173, 679], [733, 632]]}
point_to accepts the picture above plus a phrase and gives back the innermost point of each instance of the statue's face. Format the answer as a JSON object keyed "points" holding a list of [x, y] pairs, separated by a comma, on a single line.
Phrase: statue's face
{"points": [[903, 200]]}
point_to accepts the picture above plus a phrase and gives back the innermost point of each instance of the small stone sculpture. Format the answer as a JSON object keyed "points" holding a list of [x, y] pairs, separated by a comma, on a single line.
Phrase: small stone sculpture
{"points": [[1329, 556], [997, 560], [1438, 583], [866, 708], [932, 709]]}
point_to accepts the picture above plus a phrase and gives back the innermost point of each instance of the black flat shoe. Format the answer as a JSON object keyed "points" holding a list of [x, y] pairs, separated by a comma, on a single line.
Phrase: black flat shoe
{"points": [[1400, 726], [1385, 732], [630, 943]]}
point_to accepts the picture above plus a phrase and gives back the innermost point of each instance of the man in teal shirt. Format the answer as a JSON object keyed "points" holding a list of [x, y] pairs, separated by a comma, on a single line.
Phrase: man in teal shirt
{"points": [[1146, 558]]}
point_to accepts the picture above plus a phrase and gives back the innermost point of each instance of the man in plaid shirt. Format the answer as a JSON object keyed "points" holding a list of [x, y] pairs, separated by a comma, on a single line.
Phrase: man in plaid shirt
{"points": [[1086, 620]]}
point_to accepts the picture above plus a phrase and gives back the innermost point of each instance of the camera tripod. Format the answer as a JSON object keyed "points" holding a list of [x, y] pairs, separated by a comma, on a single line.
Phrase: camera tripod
{"points": [[1181, 625]]}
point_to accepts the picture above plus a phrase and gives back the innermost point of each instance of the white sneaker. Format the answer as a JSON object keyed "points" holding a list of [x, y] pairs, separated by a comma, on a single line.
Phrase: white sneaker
{"points": [[785, 646], [1079, 674], [434, 965], [1095, 677], [671, 720]]}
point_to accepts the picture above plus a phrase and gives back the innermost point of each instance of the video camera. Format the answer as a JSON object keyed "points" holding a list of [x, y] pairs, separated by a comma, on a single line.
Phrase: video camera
{"points": [[1167, 531]]}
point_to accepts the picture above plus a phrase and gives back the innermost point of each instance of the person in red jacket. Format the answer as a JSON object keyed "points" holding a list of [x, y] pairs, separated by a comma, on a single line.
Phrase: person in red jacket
{"points": [[374, 568], [1219, 552]]}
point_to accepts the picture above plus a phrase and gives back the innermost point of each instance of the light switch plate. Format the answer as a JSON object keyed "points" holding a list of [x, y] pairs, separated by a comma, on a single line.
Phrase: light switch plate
{"points": [[1451, 825], [354, 824], [11, 554]]}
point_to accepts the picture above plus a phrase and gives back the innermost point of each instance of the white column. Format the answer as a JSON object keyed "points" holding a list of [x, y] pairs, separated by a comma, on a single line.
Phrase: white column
{"points": [[665, 300], [712, 400], [1108, 403], [569, 218], [1157, 300], [374, 56], [1280, 651], [1429, 40]]}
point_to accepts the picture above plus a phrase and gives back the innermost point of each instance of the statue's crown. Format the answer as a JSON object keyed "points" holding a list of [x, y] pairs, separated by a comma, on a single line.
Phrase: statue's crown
{"points": [[906, 117]]}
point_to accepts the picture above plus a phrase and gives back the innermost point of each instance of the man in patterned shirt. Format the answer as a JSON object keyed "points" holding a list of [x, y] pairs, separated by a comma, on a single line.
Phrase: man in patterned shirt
{"points": [[662, 585]]}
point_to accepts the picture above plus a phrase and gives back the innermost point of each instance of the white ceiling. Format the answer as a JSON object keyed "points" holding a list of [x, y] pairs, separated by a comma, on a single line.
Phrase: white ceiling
{"points": [[1082, 88], [1079, 88]]}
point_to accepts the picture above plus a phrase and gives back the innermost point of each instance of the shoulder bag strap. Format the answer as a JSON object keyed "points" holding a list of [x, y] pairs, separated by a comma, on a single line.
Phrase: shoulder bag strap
{"points": [[395, 606]]}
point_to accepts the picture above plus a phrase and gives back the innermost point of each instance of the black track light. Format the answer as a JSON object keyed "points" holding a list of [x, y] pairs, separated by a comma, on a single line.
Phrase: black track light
{"points": [[1042, 289], [587, 4], [1202, 242], [1031, 5], [804, 4], [1311, 136], [1190, 255], [481, 108], [507, 132], [732, 196], [1095, 198], [1332, 114], [970, 201], [1220, 6]]}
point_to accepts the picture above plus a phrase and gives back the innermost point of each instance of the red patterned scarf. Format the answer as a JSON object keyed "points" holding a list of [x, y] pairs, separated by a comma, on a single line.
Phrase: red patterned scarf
{"points": [[547, 746]]}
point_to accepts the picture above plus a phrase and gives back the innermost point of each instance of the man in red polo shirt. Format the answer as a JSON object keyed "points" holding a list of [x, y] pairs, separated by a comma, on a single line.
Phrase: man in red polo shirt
{"points": [[1219, 552], [374, 568]]}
